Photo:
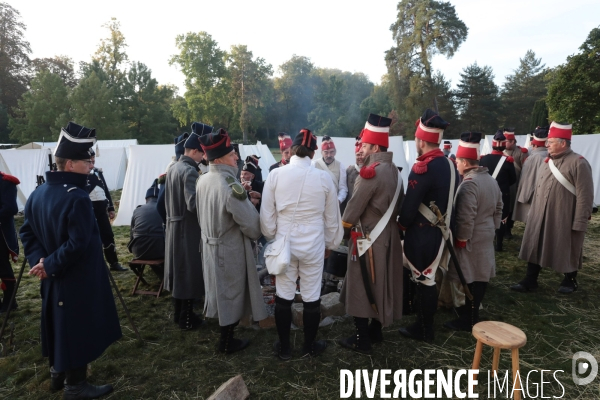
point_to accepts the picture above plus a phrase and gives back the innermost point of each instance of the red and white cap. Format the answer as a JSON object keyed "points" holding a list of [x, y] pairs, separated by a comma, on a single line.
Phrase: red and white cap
{"points": [[285, 141], [327, 143], [509, 133], [377, 131], [540, 135], [447, 145], [468, 146], [560, 131], [430, 127]]}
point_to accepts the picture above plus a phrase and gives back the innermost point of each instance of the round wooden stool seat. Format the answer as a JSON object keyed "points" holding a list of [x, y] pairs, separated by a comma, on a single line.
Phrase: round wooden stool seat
{"points": [[499, 334]]}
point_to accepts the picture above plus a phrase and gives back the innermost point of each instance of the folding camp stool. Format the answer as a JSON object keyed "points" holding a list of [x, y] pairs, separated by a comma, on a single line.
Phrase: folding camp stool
{"points": [[138, 267]]}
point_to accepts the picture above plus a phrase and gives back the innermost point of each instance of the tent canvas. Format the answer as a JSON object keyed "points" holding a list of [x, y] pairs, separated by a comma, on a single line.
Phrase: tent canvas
{"points": [[25, 165], [113, 163], [146, 163], [266, 157], [100, 144], [589, 147], [345, 152]]}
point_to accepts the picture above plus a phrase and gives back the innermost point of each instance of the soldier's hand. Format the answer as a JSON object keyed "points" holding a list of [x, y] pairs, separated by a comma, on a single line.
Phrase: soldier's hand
{"points": [[111, 214], [327, 253], [38, 270], [247, 185], [255, 195]]}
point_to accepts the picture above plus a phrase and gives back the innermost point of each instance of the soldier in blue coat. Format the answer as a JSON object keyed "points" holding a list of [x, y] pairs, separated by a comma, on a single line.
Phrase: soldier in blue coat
{"points": [[9, 247], [62, 242], [502, 168], [429, 180]]}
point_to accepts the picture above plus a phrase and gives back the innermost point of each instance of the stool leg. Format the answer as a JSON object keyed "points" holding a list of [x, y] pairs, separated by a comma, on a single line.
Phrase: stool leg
{"points": [[496, 360], [477, 358], [515, 368]]}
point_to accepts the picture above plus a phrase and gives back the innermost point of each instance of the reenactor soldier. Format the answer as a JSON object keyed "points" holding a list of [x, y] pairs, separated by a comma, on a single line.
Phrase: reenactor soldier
{"points": [[179, 149], [183, 261], [62, 242], [448, 149], [9, 247], [250, 182], [433, 178], [352, 172], [519, 155], [228, 222], [147, 235], [502, 169], [477, 214], [285, 146], [373, 285], [335, 169], [561, 207], [529, 174]]}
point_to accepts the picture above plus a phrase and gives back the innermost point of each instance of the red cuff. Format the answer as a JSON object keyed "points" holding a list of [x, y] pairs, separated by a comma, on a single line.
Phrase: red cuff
{"points": [[460, 244], [401, 227]]}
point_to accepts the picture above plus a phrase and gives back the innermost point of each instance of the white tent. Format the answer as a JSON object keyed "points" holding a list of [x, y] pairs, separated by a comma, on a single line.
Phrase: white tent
{"points": [[345, 152], [410, 151], [261, 150], [113, 162], [146, 163], [589, 147], [100, 144], [25, 165]]}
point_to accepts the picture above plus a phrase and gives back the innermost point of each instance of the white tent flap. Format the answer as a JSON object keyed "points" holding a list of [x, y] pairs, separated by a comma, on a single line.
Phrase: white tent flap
{"points": [[113, 162]]}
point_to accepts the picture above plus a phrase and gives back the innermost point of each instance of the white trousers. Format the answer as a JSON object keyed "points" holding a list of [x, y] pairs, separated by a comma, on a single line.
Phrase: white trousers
{"points": [[310, 275]]}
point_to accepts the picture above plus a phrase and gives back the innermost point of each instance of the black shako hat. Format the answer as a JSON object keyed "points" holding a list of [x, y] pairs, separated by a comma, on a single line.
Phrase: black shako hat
{"points": [[75, 142], [216, 144], [179, 143], [153, 191], [193, 142], [250, 167], [306, 138], [201, 129], [541, 132]]}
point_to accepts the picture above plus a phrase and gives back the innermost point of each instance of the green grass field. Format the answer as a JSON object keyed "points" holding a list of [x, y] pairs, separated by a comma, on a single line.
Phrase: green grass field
{"points": [[171, 364]]}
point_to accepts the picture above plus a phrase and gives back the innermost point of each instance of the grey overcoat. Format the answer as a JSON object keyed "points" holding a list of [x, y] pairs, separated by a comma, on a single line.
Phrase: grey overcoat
{"points": [[183, 260], [529, 177], [228, 225]]}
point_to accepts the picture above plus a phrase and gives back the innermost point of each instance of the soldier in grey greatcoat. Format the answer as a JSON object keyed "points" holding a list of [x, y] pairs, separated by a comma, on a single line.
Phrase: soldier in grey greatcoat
{"points": [[529, 174], [228, 221], [477, 213], [183, 260], [560, 210]]}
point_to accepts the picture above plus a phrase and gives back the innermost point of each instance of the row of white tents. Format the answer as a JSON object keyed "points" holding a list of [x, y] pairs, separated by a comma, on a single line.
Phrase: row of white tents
{"points": [[132, 167]]}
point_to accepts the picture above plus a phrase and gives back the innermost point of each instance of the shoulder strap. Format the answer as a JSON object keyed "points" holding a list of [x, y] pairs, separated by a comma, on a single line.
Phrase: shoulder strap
{"points": [[383, 221], [498, 166], [431, 217], [561, 178]]}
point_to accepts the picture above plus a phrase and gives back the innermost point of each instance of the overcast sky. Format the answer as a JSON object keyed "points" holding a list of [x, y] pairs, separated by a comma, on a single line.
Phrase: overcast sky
{"points": [[349, 35]]}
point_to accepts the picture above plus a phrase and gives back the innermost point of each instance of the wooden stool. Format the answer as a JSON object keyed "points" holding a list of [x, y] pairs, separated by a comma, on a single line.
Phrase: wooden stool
{"points": [[500, 336], [138, 267]]}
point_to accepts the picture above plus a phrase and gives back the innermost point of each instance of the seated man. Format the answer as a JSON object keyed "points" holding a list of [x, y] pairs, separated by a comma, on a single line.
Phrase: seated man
{"points": [[147, 236], [252, 185]]}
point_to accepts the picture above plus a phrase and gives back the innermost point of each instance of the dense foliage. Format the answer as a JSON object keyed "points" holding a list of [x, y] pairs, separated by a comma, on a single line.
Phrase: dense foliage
{"points": [[254, 100]]}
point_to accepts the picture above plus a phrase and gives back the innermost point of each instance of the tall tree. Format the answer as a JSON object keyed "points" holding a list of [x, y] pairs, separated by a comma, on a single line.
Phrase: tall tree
{"points": [[14, 63], [539, 115], [247, 78], [146, 108], [574, 87], [520, 92], [42, 110], [203, 65], [111, 53], [93, 104], [423, 28], [62, 66], [477, 99]]}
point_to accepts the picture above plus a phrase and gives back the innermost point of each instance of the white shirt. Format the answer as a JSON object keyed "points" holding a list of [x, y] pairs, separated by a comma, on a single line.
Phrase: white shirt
{"points": [[317, 224], [342, 183]]}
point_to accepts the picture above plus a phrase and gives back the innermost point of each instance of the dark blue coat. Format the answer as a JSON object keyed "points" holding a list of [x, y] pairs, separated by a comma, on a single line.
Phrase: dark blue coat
{"points": [[79, 317], [422, 240], [8, 208], [506, 177]]}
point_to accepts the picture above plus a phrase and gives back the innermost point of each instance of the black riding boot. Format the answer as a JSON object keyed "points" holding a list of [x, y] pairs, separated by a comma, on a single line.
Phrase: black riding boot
{"points": [[426, 306], [509, 225], [468, 315], [77, 387], [499, 238], [283, 321], [361, 341], [569, 283], [57, 380], [227, 343], [9, 289], [408, 298], [375, 333], [530, 282], [177, 312], [188, 319], [110, 252], [311, 319]]}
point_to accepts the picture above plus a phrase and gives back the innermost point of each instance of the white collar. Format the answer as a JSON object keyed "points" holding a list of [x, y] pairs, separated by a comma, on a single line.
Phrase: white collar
{"points": [[300, 161]]}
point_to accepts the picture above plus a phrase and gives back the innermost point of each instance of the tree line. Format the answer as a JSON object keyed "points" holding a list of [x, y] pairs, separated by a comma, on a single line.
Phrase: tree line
{"points": [[239, 91]]}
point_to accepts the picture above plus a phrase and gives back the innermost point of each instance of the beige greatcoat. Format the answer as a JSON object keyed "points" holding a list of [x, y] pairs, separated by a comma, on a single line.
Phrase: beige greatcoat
{"points": [[370, 200], [228, 225], [529, 178], [477, 212], [557, 220]]}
